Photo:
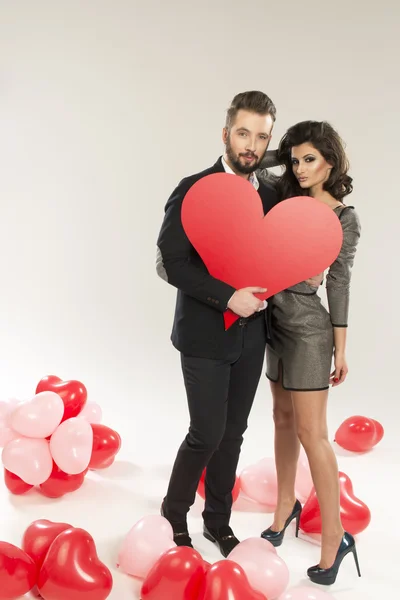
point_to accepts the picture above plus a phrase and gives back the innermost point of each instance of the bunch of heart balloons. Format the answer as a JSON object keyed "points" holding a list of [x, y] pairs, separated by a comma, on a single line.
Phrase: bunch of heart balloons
{"points": [[57, 560], [53, 439], [254, 570]]}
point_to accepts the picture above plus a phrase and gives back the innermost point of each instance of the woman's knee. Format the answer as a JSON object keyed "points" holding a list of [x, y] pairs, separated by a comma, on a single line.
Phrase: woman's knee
{"points": [[311, 434], [283, 414]]}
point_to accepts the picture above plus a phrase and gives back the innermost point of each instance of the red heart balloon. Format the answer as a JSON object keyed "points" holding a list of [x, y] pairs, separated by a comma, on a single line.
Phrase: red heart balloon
{"points": [[226, 580], [355, 515], [380, 432], [73, 394], [38, 538], [60, 483], [178, 574], [18, 572], [15, 484], [202, 493], [224, 220], [106, 444], [72, 569], [357, 434]]}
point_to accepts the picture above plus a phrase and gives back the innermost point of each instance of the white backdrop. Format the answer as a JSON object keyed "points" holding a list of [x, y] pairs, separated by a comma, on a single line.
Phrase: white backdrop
{"points": [[105, 106]]}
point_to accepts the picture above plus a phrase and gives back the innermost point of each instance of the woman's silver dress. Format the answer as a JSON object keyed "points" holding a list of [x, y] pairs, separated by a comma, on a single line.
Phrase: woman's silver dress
{"points": [[301, 327]]}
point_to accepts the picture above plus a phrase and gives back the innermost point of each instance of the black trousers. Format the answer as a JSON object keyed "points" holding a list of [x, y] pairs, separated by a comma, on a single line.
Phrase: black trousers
{"points": [[220, 395]]}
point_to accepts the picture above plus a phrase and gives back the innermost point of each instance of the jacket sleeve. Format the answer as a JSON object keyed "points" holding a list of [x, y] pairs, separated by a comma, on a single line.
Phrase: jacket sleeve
{"points": [[339, 275], [174, 254]]}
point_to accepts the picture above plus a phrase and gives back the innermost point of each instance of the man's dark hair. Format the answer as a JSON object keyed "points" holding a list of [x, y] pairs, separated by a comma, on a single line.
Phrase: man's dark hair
{"points": [[252, 101]]}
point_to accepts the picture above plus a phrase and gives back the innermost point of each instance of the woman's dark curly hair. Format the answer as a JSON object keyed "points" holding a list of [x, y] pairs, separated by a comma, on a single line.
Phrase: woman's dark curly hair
{"points": [[328, 142]]}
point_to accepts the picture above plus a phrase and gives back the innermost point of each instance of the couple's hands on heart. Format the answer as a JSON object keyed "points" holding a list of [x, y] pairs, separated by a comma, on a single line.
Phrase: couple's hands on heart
{"points": [[244, 303]]}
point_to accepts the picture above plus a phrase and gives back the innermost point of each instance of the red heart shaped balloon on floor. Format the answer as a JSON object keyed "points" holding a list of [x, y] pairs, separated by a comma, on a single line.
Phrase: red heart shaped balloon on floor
{"points": [[358, 434], [72, 569], [38, 538], [224, 220], [15, 484], [178, 574], [60, 483], [106, 444], [226, 580], [202, 493], [379, 430], [355, 515], [73, 394], [18, 572]]}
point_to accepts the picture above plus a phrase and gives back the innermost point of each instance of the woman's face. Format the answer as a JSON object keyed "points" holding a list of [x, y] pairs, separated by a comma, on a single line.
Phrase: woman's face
{"points": [[309, 166]]}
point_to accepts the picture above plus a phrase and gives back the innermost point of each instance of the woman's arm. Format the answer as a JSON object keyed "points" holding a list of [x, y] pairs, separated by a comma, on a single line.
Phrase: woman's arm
{"points": [[338, 290]]}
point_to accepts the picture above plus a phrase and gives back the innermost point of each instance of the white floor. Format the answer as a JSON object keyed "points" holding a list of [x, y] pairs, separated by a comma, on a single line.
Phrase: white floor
{"points": [[149, 412]]}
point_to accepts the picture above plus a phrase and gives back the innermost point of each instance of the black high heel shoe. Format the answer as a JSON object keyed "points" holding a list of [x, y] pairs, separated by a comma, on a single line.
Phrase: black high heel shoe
{"points": [[328, 576], [276, 537]]}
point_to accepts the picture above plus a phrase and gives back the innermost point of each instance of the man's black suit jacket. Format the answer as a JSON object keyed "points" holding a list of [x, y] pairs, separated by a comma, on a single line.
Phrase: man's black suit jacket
{"points": [[198, 327]]}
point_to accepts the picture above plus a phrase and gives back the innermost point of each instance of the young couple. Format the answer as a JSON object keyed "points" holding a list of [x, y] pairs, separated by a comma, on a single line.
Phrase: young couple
{"points": [[221, 369]]}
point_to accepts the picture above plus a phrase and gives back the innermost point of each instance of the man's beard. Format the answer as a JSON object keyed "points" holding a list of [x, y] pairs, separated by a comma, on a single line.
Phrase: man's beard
{"points": [[239, 166]]}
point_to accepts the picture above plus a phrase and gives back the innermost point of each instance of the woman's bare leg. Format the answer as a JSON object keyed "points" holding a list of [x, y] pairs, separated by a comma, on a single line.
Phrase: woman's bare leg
{"points": [[312, 429], [287, 448]]}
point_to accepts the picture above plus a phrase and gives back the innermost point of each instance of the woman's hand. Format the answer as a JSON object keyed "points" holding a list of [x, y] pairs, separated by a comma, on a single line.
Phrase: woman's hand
{"points": [[340, 373]]}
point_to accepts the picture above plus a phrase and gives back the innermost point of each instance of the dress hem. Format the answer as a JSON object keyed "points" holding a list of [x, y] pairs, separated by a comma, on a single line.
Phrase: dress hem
{"points": [[289, 389]]}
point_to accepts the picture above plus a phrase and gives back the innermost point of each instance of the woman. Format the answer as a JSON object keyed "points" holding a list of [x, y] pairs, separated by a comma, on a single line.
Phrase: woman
{"points": [[305, 337]]}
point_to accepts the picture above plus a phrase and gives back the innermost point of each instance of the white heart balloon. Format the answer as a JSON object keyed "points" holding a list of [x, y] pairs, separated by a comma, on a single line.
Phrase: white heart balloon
{"points": [[92, 412], [71, 445], [6, 434], [28, 458], [38, 417], [7, 407]]}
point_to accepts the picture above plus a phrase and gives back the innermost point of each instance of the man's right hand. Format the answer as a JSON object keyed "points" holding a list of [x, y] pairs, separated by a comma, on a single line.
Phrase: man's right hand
{"points": [[244, 303]]}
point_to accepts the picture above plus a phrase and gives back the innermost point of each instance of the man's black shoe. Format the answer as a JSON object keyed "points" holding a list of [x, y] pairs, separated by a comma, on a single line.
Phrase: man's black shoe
{"points": [[223, 537], [181, 534]]}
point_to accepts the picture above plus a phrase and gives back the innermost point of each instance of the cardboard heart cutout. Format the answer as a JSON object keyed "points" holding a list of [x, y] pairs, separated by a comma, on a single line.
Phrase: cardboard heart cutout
{"points": [[223, 218]]}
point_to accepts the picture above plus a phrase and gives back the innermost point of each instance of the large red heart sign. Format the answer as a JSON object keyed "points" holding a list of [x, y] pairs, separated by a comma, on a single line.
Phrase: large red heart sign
{"points": [[224, 220]]}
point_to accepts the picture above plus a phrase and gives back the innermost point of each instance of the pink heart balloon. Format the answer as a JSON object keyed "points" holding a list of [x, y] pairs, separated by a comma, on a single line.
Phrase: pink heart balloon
{"points": [[28, 458], [71, 445], [38, 417], [259, 482], [148, 539], [92, 412], [266, 571]]}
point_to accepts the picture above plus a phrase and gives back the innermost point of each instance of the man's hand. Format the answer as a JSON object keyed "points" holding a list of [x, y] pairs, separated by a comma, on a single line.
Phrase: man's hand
{"points": [[244, 303], [316, 280]]}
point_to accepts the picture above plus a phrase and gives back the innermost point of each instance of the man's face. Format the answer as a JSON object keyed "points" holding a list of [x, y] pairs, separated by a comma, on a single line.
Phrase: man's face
{"points": [[247, 141]]}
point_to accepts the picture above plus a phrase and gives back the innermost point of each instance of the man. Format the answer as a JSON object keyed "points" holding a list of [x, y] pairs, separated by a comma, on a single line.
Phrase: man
{"points": [[221, 369]]}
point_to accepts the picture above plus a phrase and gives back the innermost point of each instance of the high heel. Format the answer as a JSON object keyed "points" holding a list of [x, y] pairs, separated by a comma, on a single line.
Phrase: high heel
{"points": [[276, 537], [328, 576]]}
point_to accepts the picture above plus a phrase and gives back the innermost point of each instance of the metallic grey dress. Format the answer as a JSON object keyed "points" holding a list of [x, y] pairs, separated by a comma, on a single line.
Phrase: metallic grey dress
{"points": [[301, 327]]}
